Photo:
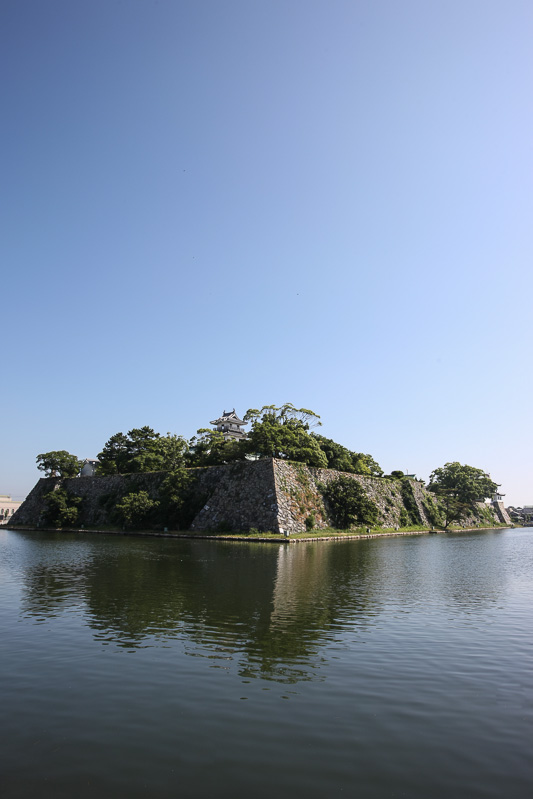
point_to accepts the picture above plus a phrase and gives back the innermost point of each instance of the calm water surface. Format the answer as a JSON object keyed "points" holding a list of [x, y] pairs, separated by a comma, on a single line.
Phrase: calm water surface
{"points": [[396, 667]]}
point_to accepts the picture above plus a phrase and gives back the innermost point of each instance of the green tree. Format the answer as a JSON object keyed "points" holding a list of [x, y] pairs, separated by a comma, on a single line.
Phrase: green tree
{"points": [[284, 433], [141, 450], [144, 450], [337, 456], [135, 509], [348, 503], [365, 464], [61, 509], [113, 459], [209, 448], [180, 502], [172, 450], [459, 487], [59, 463], [343, 460]]}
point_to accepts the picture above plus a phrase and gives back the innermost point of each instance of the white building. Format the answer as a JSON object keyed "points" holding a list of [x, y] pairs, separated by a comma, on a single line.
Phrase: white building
{"points": [[8, 507], [89, 468], [230, 425]]}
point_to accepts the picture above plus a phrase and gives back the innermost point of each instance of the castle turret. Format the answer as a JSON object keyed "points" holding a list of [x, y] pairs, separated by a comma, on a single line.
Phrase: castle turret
{"points": [[230, 425], [497, 504]]}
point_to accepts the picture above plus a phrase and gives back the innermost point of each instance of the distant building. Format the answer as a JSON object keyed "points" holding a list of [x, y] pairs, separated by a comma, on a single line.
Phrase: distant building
{"points": [[230, 425], [527, 513], [89, 468], [8, 507], [522, 515]]}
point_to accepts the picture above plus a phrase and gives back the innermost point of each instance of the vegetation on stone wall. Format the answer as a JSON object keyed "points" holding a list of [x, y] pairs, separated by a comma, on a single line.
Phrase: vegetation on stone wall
{"points": [[180, 500], [136, 510], [283, 432], [173, 504], [412, 513], [348, 503], [433, 511], [61, 509]]}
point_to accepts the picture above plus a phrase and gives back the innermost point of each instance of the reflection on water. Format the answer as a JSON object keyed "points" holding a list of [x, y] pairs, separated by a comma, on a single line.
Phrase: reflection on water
{"points": [[387, 667], [270, 607]]}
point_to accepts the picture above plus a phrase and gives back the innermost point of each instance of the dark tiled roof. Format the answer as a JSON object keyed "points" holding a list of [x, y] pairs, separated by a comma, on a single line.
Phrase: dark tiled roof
{"points": [[228, 416]]}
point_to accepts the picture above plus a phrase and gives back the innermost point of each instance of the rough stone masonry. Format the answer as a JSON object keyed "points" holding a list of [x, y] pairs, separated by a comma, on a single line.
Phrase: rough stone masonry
{"points": [[268, 495]]}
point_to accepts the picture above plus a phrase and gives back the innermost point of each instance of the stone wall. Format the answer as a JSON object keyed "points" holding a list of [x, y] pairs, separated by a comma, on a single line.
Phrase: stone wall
{"points": [[269, 495], [299, 497], [243, 496], [237, 496], [500, 512], [94, 491]]}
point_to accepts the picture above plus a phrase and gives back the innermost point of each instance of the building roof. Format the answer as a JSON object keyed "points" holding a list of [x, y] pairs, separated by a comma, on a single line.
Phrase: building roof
{"points": [[229, 416]]}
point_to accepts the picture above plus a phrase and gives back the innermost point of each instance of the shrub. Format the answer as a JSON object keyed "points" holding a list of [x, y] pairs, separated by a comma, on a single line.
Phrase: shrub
{"points": [[433, 512], [60, 509], [405, 519], [348, 503], [135, 509], [409, 501], [310, 521]]}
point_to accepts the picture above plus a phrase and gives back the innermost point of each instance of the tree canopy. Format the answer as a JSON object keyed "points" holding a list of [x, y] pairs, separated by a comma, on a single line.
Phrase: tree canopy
{"points": [[141, 450], [465, 483], [459, 487], [58, 463], [135, 509], [284, 433], [210, 448], [348, 502], [61, 509], [343, 460]]}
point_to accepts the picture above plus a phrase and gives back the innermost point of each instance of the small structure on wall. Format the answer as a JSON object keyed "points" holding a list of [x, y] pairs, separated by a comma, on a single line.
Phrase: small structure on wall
{"points": [[89, 467], [497, 504], [230, 425]]}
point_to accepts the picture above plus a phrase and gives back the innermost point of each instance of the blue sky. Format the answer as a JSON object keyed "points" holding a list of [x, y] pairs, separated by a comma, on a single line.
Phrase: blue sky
{"points": [[210, 205]]}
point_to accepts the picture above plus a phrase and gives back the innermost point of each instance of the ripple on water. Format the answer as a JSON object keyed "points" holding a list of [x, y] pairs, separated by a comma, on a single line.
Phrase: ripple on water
{"points": [[383, 667]]}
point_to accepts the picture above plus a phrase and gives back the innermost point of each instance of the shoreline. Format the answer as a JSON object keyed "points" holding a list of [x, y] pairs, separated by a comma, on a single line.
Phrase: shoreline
{"points": [[274, 539]]}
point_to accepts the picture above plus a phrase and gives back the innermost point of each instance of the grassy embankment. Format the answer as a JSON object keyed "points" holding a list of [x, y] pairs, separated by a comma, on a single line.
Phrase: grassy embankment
{"points": [[254, 534]]}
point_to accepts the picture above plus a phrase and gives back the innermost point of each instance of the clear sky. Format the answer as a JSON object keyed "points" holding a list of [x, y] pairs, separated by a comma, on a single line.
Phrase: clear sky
{"points": [[211, 204]]}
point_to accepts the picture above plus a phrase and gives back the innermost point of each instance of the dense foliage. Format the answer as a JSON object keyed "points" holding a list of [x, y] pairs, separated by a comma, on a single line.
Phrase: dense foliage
{"points": [[343, 460], [58, 463], [135, 510], [180, 501], [284, 433], [467, 483], [411, 513], [141, 450], [276, 432], [61, 509], [459, 487], [348, 503], [209, 448]]}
